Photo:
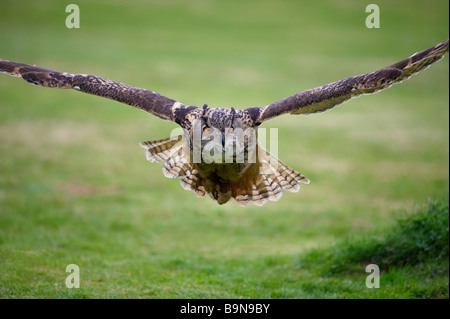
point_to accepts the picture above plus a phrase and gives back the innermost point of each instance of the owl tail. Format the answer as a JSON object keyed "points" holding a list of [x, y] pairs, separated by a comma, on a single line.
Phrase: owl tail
{"points": [[171, 151], [265, 180], [261, 181]]}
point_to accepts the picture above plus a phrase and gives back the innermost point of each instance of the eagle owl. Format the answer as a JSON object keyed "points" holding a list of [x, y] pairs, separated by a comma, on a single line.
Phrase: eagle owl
{"points": [[217, 152]]}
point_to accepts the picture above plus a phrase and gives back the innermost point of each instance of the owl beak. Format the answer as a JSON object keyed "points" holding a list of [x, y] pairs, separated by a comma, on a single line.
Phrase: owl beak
{"points": [[223, 141]]}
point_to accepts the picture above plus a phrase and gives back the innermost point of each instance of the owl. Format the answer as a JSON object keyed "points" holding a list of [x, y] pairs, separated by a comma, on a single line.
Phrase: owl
{"points": [[216, 151]]}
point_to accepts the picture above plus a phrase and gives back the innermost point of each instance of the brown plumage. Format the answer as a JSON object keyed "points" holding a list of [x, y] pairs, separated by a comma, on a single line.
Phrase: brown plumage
{"points": [[239, 167]]}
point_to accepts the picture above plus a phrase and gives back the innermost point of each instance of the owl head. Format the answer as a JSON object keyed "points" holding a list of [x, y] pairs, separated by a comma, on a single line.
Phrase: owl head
{"points": [[220, 136]]}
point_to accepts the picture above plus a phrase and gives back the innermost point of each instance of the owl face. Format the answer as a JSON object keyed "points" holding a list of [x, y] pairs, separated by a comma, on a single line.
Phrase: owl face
{"points": [[217, 127], [219, 137]]}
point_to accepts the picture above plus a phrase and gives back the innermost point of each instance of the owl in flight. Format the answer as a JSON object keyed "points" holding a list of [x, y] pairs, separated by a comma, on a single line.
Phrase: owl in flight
{"points": [[217, 152]]}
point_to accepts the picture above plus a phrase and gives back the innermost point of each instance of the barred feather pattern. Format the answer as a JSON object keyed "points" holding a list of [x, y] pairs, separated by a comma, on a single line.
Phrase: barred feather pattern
{"points": [[194, 182], [176, 167], [266, 180], [161, 150], [262, 181], [171, 151]]}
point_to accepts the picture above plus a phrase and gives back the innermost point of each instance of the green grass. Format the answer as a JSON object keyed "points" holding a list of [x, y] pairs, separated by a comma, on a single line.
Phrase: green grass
{"points": [[415, 251], [75, 186]]}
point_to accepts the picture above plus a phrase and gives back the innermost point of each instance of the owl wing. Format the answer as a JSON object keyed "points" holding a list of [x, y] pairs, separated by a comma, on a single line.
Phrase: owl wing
{"points": [[149, 101], [329, 96]]}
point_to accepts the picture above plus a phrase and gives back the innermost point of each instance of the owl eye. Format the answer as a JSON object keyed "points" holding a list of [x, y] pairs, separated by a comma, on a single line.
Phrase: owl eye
{"points": [[207, 130], [230, 130]]}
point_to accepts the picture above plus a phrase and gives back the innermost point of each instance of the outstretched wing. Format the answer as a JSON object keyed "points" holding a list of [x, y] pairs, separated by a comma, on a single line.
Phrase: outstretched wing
{"points": [[147, 100], [328, 96]]}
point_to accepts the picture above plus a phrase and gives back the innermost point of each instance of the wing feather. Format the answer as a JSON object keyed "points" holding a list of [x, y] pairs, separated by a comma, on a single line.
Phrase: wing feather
{"points": [[329, 96], [149, 101]]}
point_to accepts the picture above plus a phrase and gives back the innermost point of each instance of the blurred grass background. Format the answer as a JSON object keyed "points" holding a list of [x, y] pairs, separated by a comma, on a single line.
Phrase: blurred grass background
{"points": [[75, 186]]}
